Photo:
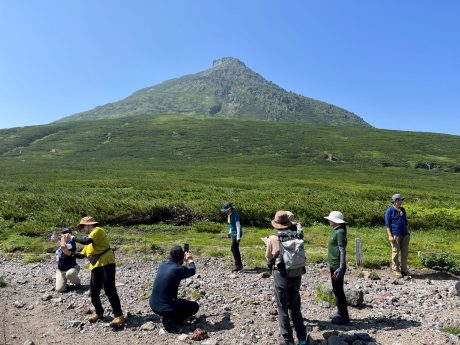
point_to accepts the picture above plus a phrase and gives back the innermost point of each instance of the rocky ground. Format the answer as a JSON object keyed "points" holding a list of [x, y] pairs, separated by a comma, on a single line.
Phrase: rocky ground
{"points": [[235, 308]]}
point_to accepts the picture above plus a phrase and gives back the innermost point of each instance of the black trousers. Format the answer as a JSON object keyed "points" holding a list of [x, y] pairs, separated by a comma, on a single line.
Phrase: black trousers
{"points": [[340, 299], [182, 309], [288, 300], [236, 253], [104, 276]]}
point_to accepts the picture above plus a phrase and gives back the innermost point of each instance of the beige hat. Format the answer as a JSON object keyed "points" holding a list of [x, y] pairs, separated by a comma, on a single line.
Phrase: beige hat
{"points": [[88, 220], [336, 217], [281, 220], [290, 216]]}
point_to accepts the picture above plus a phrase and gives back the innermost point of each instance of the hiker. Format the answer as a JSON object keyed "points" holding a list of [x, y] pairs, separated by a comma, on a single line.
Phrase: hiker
{"points": [[163, 300], [102, 265], [286, 281], [336, 257], [398, 235], [235, 232], [67, 267]]}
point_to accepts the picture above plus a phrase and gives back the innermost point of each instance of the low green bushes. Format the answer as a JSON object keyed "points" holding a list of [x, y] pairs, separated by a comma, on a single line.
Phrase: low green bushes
{"points": [[441, 262]]}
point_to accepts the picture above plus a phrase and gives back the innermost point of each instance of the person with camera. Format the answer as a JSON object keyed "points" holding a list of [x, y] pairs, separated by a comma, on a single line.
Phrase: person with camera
{"points": [[67, 267], [163, 300], [286, 278], [102, 265]]}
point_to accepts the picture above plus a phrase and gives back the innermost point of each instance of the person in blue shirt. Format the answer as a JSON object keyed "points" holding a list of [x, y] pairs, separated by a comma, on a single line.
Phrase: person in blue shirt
{"points": [[67, 267], [398, 235], [235, 232], [163, 300]]}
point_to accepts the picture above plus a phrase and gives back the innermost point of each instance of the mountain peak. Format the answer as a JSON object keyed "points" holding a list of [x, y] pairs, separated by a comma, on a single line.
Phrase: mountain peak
{"points": [[228, 62], [227, 89]]}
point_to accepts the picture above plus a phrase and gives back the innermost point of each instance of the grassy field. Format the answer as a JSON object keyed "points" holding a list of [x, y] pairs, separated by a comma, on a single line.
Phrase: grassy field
{"points": [[148, 173]]}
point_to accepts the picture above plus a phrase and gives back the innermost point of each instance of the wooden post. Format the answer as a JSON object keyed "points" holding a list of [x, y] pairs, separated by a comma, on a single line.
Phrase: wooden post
{"points": [[359, 252]]}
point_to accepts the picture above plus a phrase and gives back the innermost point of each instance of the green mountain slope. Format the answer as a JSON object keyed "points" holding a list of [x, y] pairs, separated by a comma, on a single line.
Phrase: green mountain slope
{"points": [[178, 168], [227, 89]]}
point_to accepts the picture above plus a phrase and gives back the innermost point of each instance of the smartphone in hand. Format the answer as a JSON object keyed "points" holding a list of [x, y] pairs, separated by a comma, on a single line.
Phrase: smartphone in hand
{"points": [[186, 247]]}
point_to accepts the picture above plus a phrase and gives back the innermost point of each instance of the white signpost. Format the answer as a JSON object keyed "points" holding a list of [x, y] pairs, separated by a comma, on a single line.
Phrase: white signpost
{"points": [[359, 252]]}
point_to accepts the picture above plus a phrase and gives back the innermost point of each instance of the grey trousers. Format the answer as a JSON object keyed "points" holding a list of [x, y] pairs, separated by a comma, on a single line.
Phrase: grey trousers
{"points": [[288, 299]]}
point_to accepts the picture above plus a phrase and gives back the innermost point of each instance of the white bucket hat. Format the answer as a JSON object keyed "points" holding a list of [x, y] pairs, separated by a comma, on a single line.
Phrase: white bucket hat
{"points": [[336, 217]]}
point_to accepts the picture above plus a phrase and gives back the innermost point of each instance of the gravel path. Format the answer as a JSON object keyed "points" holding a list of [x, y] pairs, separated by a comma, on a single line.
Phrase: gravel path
{"points": [[235, 308]]}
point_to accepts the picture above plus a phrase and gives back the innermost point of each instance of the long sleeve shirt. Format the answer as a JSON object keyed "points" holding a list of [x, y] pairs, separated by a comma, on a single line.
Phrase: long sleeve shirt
{"points": [[166, 285]]}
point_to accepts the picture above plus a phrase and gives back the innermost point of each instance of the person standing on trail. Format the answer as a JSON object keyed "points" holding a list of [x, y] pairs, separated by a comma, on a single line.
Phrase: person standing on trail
{"points": [[102, 265], [67, 267], [336, 257], [163, 300], [235, 233], [398, 235], [286, 281]]}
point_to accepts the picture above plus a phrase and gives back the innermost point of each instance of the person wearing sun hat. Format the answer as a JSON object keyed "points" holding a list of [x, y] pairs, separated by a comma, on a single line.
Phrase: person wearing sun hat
{"points": [[235, 233], [398, 234], [286, 286], [336, 257], [102, 265]]}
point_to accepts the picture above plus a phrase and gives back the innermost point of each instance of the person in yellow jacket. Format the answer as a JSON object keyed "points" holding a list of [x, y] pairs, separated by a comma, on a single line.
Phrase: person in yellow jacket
{"points": [[102, 265]]}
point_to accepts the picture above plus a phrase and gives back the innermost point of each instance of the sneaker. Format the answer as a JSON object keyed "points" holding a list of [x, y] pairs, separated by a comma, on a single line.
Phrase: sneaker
{"points": [[118, 321], [396, 273], [94, 318], [341, 320]]}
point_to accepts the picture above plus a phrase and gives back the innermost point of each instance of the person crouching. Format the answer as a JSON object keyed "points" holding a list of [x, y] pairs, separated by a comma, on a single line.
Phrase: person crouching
{"points": [[163, 300]]}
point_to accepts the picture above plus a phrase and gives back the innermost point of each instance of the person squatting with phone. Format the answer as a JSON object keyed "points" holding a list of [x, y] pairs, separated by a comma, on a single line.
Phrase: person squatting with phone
{"points": [[163, 300], [336, 257], [67, 267]]}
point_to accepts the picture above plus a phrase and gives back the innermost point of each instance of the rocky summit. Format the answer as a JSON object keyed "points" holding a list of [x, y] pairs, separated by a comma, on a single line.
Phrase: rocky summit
{"points": [[228, 89], [234, 308]]}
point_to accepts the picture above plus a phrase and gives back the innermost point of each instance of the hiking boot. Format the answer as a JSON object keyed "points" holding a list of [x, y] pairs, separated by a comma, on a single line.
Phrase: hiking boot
{"points": [[340, 320], [94, 318], [168, 324], [118, 321]]}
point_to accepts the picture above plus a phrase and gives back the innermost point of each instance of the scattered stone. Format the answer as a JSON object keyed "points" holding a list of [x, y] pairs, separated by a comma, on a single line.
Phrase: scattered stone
{"points": [[75, 323], [19, 304], [29, 342], [46, 297], [336, 340], [210, 341], [199, 334], [182, 337], [148, 326]]}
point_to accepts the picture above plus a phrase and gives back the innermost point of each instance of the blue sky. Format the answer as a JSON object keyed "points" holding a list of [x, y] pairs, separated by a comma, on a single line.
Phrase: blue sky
{"points": [[394, 63]]}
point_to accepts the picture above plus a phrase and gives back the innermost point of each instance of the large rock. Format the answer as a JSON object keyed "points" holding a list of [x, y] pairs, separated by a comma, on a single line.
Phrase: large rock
{"points": [[457, 288], [336, 340], [355, 297]]}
